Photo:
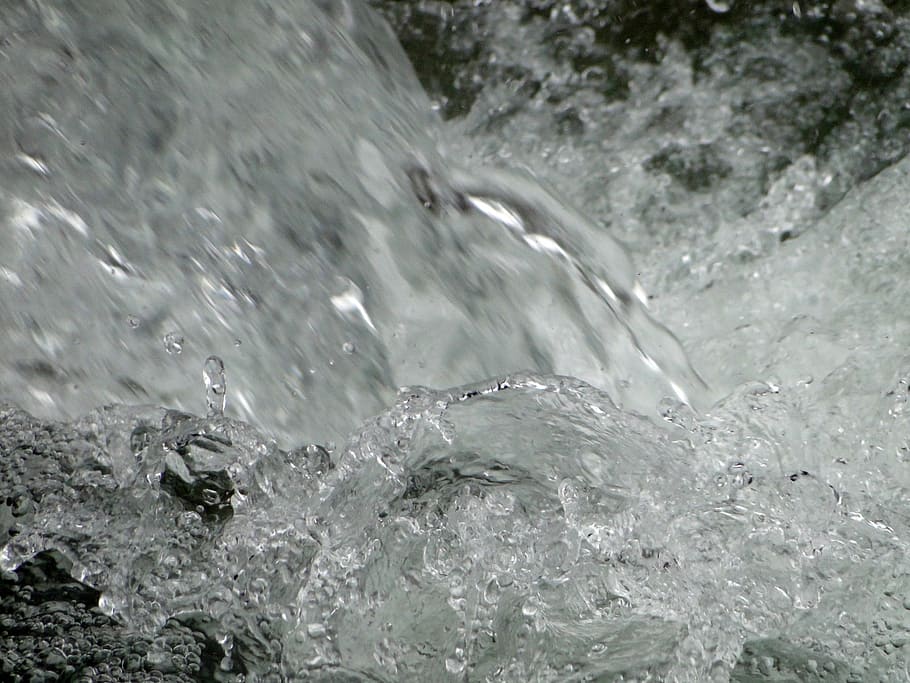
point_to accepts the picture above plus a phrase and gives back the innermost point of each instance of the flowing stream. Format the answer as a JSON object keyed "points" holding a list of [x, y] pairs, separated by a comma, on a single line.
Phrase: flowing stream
{"points": [[305, 381]]}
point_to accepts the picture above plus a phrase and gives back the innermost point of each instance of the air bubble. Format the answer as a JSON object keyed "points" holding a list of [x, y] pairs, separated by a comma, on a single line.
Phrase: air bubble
{"points": [[173, 343], [348, 347], [134, 321], [215, 389]]}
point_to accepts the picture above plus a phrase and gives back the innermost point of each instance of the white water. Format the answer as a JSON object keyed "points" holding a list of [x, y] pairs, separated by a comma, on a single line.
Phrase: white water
{"points": [[178, 184]]}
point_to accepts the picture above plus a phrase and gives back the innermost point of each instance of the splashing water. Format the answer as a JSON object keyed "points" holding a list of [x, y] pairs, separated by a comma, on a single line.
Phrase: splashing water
{"points": [[215, 386], [545, 225], [581, 506]]}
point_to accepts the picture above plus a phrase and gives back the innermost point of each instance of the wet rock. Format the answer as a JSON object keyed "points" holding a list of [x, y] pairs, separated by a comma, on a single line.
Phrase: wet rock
{"points": [[79, 642], [442, 39], [824, 77], [696, 168]]}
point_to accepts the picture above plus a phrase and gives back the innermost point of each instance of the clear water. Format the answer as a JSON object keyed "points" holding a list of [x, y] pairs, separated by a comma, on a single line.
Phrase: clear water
{"points": [[253, 215]]}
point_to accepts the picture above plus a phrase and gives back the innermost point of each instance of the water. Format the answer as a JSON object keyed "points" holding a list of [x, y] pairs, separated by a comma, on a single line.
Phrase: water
{"points": [[667, 438]]}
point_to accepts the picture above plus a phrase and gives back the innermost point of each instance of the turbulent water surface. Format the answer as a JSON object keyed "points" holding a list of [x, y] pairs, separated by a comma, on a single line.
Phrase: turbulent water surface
{"points": [[576, 351]]}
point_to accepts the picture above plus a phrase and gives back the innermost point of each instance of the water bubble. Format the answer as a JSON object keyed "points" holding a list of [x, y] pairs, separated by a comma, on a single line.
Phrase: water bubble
{"points": [[532, 604], [456, 584], [570, 497], [317, 461], [213, 376], [237, 342], [492, 592], [134, 321], [739, 474], [719, 6], [173, 343], [348, 347]]}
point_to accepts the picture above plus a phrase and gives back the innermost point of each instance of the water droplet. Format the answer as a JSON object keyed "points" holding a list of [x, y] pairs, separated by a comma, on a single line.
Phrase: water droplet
{"points": [[456, 663], [719, 6], [348, 347], [134, 321], [173, 343], [210, 497], [315, 630], [215, 389], [349, 302]]}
